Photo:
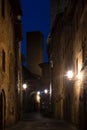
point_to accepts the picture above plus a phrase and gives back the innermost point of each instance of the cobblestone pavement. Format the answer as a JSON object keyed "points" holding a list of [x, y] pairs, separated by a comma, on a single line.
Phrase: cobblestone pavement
{"points": [[37, 122]]}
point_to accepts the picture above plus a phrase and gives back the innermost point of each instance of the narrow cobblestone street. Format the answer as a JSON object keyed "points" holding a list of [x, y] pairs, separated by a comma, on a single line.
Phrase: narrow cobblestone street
{"points": [[35, 121]]}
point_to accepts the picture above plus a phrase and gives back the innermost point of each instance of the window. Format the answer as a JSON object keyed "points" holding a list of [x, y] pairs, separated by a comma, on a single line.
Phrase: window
{"points": [[84, 49], [3, 60], [3, 8], [77, 66]]}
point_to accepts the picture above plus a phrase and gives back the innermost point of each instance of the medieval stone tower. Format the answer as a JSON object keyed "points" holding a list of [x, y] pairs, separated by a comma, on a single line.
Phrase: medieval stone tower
{"points": [[35, 54]]}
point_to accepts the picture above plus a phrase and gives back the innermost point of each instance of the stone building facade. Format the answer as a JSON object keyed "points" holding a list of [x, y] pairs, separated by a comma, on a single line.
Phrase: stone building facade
{"points": [[68, 50], [10, 61], [56, 6]]}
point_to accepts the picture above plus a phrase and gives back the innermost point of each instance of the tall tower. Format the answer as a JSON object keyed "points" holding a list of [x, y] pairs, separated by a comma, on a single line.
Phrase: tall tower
{"points": [[35, 54]]}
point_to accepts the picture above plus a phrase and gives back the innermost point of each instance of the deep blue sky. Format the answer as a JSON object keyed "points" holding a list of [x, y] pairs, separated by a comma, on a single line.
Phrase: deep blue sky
{"points": [[36, 17]]}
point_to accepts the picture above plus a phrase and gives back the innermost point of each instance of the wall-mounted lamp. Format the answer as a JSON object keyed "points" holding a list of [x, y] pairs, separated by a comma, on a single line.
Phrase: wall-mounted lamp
{"points": [[70, 74], [24, 86], [45, 91], [38, 93]]}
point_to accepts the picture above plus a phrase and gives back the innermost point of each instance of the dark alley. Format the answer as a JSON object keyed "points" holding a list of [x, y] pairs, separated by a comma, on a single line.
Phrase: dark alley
{"points": [[35, 121], [43, 64]]}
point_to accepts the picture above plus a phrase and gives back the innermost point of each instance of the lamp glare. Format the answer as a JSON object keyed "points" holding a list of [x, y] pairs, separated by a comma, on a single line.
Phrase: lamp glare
{"points": [[70, 74]]}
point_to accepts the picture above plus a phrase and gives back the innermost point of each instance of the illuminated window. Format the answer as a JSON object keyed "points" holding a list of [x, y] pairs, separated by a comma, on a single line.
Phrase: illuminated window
{"points": [[3, 60]]}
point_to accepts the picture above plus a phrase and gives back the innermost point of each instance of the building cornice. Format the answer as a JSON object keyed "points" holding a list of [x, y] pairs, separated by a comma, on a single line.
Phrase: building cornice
{"points": [[16, 7]]}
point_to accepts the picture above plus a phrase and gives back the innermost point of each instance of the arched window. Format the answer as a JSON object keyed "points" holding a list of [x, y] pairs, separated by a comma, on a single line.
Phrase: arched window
{"points": [[3, 60]]}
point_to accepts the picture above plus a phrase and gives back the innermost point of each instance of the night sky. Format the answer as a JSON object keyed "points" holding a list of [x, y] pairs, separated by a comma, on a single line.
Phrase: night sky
{"points": [[36, 17]]}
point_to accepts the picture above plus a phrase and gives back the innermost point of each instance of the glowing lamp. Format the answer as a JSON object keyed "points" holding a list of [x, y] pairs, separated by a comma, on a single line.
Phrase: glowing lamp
{"points": [[70, 74], [24, 86]]}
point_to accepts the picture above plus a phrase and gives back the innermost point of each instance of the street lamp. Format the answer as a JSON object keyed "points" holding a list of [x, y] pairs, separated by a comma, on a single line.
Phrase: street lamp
{"points": [[24, 86], [70, 74], [24, 97], [51, 85], [45, 91], [38, 93]]}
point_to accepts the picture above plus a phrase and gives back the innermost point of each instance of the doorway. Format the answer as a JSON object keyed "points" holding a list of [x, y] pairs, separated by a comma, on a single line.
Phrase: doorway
{"points": [[2, 110]]}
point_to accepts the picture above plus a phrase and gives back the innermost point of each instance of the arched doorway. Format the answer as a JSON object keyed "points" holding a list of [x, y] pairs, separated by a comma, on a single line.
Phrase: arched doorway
{"points": [[2, 110]]}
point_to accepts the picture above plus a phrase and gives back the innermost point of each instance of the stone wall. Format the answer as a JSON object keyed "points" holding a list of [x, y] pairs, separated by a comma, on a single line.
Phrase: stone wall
{"points": [[8, 85], [68, 50]]}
